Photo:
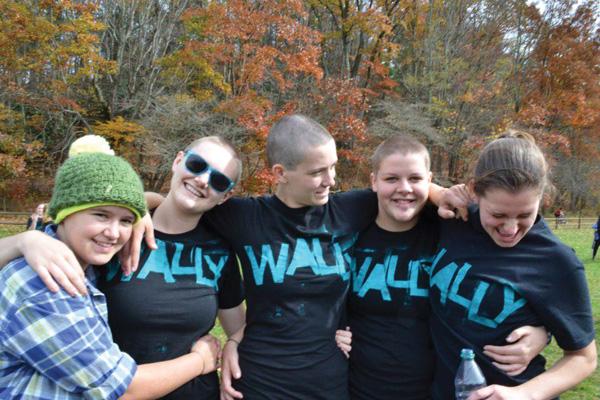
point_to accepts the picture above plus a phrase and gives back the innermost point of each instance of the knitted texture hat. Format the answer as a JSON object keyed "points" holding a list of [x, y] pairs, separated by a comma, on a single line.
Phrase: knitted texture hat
{"points": [[93, 179]]}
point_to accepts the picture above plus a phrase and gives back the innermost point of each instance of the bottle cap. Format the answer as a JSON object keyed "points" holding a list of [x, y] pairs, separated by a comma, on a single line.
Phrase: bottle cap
{"points": [[467, 354]]}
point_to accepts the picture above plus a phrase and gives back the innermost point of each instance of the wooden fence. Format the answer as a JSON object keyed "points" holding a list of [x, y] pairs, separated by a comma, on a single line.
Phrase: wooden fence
{"points": [[14, 222], [571, 222]]}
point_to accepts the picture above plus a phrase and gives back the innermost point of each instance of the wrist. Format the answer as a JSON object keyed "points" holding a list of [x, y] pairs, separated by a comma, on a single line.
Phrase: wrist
{"points": [[24, 239], [202, 362], [233, 340]]}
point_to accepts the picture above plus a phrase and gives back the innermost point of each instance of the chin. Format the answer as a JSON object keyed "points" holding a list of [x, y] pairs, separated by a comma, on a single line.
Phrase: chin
{"points": [[404, 217], [99, 259], [505, 244]]}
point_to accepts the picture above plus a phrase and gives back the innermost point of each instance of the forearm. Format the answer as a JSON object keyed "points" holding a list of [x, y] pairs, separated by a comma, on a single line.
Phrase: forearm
{"points": [[569, 371], [436, 193], [233, 321], [10, 247], [155, 380]]}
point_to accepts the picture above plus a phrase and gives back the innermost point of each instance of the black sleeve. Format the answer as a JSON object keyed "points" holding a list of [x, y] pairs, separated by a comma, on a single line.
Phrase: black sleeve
{"points": [[358, 206], [564, 303], [231, 290], [226, 218]]}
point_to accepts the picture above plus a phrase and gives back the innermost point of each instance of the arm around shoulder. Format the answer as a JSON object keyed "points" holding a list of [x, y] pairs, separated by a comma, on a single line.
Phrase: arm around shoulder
{"points": [[50, 258]]}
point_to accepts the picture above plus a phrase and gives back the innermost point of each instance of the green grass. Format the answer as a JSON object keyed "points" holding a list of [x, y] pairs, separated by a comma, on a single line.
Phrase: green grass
{"points": [[581, 241], [6, 230]]}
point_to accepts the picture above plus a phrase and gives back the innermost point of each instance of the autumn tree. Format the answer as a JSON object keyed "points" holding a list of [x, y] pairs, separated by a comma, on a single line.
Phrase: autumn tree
{"points": [[256, 59], [48, 55], [138, 35], [563, 94]]}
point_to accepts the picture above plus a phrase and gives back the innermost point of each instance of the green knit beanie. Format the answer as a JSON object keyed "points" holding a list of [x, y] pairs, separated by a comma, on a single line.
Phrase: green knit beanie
{"points": [[87, 180]]}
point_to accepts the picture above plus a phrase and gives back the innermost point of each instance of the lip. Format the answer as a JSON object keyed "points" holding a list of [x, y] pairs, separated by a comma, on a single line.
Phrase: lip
{"points": [[507, 239], [403, 203], [104, 247]]}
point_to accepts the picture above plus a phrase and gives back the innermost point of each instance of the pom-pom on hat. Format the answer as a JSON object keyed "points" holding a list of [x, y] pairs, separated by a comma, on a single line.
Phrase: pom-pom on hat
{"points": [[92, 177], [90, 144]]}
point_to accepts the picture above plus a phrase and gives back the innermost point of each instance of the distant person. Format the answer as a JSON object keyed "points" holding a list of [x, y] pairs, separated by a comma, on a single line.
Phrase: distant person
{"points": [[36, 220], [557, 213], [596, 243], [562, 218]]}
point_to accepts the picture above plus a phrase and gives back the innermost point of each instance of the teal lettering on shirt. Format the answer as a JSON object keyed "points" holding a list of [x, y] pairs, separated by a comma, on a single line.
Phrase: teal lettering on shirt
{"points": [[381, 276], [307, 253], [267, 259], [449, 281], [157, 263]]}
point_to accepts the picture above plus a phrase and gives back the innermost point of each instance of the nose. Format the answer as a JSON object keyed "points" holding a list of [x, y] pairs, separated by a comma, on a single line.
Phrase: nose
{"points": [[329, 178], [202, 179], [403, 186], [111, 230], [509, 228]]}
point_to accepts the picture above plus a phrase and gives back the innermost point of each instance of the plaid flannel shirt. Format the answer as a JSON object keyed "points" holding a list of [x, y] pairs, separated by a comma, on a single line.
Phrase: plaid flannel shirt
{"points": [[54, 346]]}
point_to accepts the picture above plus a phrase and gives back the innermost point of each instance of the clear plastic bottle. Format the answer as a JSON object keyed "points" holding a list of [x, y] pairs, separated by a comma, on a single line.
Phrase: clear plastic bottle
{"points": [[469, 376]]}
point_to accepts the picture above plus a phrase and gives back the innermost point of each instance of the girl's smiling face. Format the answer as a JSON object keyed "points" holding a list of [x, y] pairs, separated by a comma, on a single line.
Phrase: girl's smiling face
{"points": [[96, 234], [506, 216]]}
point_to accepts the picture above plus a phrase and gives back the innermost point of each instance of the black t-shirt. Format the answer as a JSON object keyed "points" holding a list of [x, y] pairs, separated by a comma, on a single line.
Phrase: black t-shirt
{"points": [[39, 223], [295, 263], [392, 355], [481, 292], [159, 311]]}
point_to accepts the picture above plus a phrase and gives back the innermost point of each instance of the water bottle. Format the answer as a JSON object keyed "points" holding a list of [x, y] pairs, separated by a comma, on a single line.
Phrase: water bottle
{"points": [[468, 377]]}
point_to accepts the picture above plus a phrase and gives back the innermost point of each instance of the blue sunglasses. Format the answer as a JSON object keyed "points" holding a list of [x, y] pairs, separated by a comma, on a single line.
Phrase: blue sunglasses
{"points": [[216, 179]]}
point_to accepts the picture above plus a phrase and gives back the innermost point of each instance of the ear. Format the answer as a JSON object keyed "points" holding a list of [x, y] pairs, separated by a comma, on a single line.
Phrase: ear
{"points": [[430, 176], [227, 196], [279, 172], [373, 178], [178, 159]]}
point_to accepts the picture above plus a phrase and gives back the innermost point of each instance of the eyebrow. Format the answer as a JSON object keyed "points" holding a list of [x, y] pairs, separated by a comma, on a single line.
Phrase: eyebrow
{"points": [[319, 169]]}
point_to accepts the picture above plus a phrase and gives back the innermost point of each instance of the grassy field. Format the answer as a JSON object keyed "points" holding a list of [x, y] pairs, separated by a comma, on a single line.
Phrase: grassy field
{"points": [[580, 240]]}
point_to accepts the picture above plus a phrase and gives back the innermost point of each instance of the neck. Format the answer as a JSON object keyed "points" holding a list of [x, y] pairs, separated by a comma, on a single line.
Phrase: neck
{"points": [[168, 218], [395, 226], [282, 195]]}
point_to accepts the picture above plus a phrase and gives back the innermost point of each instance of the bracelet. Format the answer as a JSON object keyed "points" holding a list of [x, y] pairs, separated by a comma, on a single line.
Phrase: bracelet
{"points": [[233, 340]]}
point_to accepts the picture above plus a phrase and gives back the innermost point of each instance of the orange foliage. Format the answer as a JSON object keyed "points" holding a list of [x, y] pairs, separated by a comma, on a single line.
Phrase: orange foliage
{"points": [[565, 95], [120, 133]]}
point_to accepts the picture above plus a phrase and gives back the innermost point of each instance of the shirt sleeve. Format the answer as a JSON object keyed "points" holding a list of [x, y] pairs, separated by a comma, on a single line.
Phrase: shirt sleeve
{"points": [[66, 340], [228, 218], [564, 303], [359, 207], [231, 290]]}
